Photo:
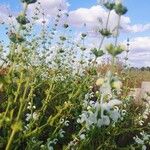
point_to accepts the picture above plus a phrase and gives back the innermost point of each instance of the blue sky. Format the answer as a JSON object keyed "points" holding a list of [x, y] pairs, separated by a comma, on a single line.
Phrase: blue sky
{"points": [[137, 22], [138, 10]]}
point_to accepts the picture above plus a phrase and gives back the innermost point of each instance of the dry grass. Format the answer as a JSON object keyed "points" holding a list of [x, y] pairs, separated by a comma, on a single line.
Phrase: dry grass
{"points": [[132, 78]]}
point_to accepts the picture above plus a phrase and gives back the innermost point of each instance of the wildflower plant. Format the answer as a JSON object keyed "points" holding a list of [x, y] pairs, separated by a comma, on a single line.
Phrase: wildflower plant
{"points": [[52, 99]]}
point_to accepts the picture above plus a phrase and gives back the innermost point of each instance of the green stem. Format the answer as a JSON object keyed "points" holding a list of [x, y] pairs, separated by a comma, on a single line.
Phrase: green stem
{"points": [[17, 94], [10, 140], [118, 24]]}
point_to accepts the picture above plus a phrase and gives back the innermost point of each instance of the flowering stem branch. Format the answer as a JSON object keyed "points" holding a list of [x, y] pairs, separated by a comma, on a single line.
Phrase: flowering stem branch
{"points": [[117, 30], [10, 140]]}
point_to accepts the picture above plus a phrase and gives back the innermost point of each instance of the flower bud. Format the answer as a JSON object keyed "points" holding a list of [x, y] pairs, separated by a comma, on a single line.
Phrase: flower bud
{"points": [[22, 19], [109, 5], [15, 38], [120, 9], [100, 81], [117, 84], [105, 32], [66, 25], [97, 52], [17, 126], [29, 1], [115, 50]]}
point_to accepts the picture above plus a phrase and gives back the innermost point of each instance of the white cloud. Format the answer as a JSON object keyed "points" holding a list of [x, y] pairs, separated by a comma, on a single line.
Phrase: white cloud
{"points": [[4, 14], [137, 28], [50, 8], [78, 17], [90, 16], [139, 54]]}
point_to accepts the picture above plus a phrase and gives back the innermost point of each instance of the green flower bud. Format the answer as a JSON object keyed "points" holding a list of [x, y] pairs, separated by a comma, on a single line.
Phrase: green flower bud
{"points": [[115, 50], [62, 38], [109, 6], [97, 52], [66, 25], [83, 48], [116, 85], [15, 38], [105, 32], [97, 94], [29, 1], [83, 35], [22, 19], [100, 81], [58, 16], [17, 126], [61, 50], [120, 9], [7, 120]]}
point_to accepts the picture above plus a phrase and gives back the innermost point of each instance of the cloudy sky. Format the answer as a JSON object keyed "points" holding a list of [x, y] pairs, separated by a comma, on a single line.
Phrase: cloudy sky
{"points": [[135, 24]]}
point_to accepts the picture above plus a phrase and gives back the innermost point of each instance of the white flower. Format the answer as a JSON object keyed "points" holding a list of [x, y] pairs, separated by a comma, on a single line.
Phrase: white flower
{"points": [[138, 140], [97, 106], [34, 107], [50, 148], [141, 122], [99, 81], [105, 120], [92, 118], [61, 133], [114, 102], [99, 123], [144, 147], [42, 146], [89, 107], [117, 84], [62, 121], [115, 115], [123, 112], [66, 123], [28, 116], [105, 106], [83, 117], [55, 141], [106, 89], [82, 136]]}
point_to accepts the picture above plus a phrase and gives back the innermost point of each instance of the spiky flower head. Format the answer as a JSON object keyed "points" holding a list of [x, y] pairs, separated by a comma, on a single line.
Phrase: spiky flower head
{"points": [[120, 9], [115, 50], [29, 1], [22, 19], [109, 5], [97, 52]]}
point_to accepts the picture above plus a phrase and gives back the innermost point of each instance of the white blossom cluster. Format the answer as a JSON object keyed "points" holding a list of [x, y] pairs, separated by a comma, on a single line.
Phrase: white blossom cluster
{"points": [[97, 114], [59, 134], [102, 112], [32, 114], [143, 140]]}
